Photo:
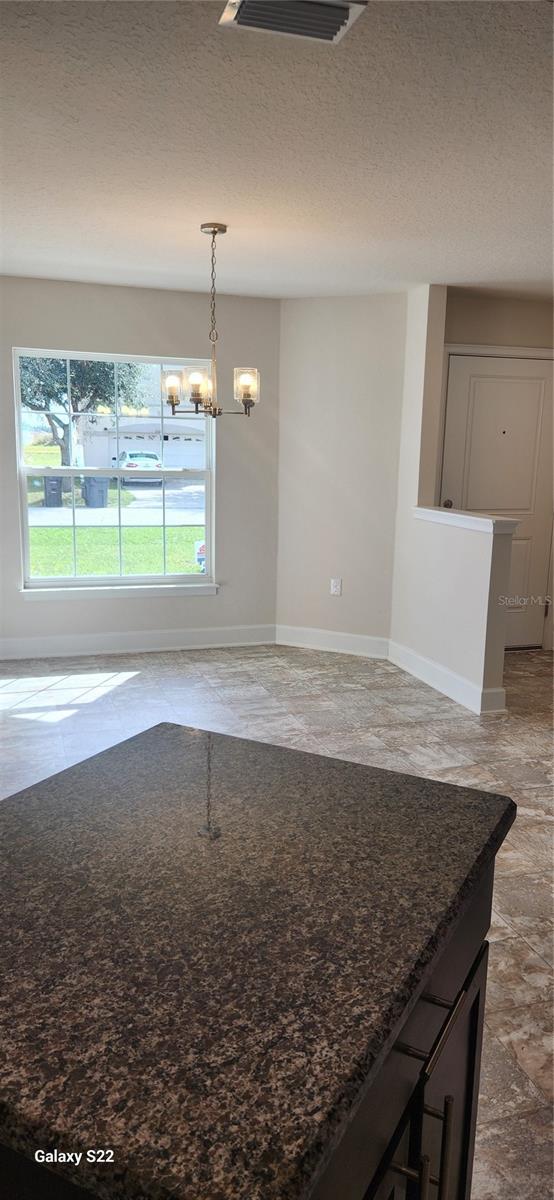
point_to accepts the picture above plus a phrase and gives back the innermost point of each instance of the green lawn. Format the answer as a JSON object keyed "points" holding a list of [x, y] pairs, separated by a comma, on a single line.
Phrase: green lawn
{"points": [[42, 456], [97, 551]]}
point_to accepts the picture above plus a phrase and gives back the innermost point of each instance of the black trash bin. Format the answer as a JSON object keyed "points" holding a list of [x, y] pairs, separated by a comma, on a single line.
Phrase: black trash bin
{"points": [[52, 491], [95, 491]]}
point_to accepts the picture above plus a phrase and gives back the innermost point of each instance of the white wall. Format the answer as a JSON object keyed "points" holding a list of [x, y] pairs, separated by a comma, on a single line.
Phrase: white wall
{"points": [[341, 389], [446, 623], [44, 314], [476, 318], [449, 629]]}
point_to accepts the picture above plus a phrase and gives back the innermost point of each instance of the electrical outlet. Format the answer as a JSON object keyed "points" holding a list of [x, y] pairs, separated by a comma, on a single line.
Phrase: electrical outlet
{"points": [[336, 587]]}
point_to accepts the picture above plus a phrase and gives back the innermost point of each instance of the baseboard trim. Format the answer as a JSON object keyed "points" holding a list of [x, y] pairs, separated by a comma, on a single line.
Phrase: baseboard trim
{"points": [[327, 639], [77, 645], [456, 687], [493, 700]]}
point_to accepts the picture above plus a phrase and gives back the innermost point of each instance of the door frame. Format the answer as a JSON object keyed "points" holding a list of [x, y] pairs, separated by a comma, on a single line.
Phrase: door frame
{"points": [[457, 349]]}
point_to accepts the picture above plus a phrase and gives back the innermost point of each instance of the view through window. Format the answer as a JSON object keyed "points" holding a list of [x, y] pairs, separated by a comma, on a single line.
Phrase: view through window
{"points": [[113, 485]]}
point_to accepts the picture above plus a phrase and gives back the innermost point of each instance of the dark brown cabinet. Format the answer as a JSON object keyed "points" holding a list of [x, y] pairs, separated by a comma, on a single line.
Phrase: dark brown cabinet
{"points": [[451, 1092], [393, 1185], [432, 1153]]}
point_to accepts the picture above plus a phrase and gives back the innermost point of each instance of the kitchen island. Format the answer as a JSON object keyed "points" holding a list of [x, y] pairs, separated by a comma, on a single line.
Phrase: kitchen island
{"points": [[248, 973]]}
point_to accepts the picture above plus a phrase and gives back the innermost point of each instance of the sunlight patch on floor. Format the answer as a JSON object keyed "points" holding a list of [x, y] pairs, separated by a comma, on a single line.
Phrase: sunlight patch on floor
{"points": [[28, 696]]}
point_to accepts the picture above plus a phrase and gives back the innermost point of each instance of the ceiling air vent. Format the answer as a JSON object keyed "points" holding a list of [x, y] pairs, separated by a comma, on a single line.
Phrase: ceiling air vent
{"points": [[324, 20]]}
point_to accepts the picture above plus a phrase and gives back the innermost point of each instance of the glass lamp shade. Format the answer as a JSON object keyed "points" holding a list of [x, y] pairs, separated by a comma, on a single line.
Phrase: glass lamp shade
{"points": [[172, 386], [246, 385], [197, 385]]}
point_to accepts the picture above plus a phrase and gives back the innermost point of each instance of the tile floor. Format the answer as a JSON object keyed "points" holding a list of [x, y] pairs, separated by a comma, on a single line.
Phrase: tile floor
{"points": [[56, 712]]}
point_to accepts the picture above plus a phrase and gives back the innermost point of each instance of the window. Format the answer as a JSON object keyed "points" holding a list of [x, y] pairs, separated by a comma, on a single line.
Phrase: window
{"points": [[114, 488]]}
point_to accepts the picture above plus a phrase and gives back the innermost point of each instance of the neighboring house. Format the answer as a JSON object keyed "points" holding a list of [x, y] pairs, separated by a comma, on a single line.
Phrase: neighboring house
{"points": [[183, 441]]}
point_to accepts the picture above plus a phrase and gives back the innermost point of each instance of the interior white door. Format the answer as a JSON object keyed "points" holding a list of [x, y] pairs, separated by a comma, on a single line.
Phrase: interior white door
{"points": [[498, 460]]}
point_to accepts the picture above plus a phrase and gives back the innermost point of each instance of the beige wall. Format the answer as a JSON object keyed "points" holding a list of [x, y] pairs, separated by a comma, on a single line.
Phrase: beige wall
{"points": [[87, 317], [341, 388], [474, 318]]}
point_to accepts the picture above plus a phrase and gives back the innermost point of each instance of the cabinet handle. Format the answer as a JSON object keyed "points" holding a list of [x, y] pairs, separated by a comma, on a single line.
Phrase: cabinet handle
{"points": [[446, 1149], [431, 1059], [447, 1118], [422, 1177], [444, 1035]]}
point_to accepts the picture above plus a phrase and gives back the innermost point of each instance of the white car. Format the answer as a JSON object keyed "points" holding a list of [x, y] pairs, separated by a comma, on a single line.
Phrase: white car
{"points": [[140, 461]]}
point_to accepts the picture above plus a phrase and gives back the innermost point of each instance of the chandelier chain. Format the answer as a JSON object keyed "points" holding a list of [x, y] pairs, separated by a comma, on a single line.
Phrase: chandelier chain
{"points": [[213, 329]]}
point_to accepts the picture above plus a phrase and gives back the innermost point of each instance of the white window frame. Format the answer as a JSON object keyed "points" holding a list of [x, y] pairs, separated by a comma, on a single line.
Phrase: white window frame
{"points": [[202, 584]]}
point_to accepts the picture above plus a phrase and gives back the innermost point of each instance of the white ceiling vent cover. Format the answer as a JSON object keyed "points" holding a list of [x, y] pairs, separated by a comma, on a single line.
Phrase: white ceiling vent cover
{"points": [[324, 20]]}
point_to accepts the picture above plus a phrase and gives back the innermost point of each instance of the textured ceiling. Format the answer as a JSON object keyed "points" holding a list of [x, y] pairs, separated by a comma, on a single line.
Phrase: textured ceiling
{"points": [[418, 149]]}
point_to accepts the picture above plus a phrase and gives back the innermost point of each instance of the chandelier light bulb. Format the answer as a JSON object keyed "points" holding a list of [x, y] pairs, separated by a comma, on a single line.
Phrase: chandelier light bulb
{"points": [[172, 385], [197, 384], [246, 387]]}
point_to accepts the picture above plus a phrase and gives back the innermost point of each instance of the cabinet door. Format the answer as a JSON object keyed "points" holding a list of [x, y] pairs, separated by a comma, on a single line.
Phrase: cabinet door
{"points": [[432, 1153], [391, 1190], [405, 1174], [393, 1186], [450, 1094]]}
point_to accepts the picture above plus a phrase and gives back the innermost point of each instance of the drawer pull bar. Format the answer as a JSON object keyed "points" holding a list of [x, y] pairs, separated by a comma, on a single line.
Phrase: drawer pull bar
{"points": [[425, 1177], [444, 1035], [431, 1059], [446, 1149], [446, 1115]]}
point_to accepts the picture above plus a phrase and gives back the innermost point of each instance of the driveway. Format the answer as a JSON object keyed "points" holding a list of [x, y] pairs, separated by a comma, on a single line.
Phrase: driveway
{"points": [[184, 505]]}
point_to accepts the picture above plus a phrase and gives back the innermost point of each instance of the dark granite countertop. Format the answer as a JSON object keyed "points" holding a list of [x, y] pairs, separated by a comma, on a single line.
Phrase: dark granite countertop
{"points": [[211, 1009]]}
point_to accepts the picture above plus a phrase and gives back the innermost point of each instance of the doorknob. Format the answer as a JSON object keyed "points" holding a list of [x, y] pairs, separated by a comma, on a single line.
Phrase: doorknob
{"points": [[447, 504]]}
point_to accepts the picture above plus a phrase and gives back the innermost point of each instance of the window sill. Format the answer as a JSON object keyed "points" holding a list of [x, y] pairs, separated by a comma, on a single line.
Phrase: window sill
{"points": [[134, 591]]}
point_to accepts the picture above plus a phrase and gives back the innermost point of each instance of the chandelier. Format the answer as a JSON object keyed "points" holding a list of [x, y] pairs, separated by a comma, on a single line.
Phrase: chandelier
{"points": [[197, 386]]}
